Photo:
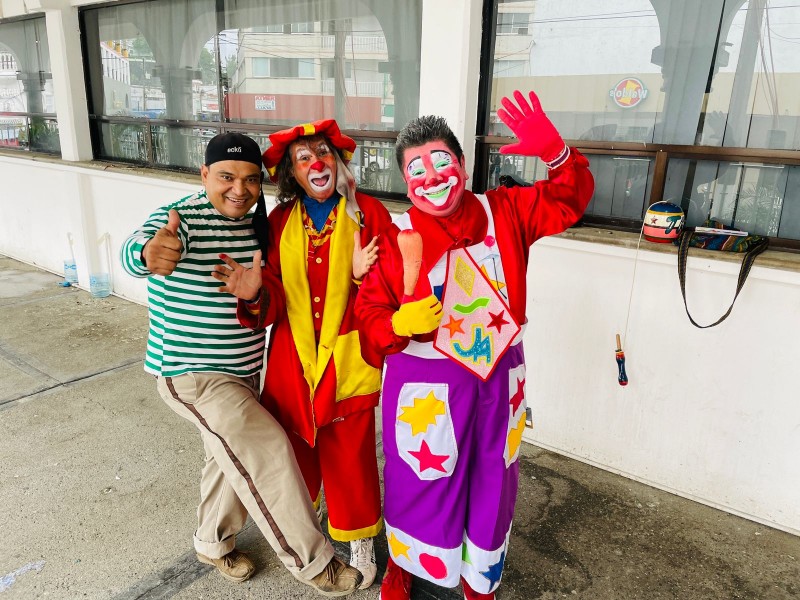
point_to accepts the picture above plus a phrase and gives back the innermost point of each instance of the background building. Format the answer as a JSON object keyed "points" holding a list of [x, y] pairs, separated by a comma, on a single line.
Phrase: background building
{"points": [[692, 102]]}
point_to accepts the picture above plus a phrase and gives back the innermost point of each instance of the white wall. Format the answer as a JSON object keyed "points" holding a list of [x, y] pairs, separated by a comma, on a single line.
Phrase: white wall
{"points": [[708, 414], [42, 203], [711, 415]]}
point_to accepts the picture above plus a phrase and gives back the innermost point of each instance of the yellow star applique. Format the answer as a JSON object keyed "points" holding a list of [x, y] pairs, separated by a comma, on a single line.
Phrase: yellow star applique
{"points": [[515, 437], [397, 547], [497, 285], [423, 413]]}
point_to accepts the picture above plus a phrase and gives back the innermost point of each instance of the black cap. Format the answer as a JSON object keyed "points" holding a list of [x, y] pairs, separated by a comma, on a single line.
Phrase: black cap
{"points": [[233, 146]]}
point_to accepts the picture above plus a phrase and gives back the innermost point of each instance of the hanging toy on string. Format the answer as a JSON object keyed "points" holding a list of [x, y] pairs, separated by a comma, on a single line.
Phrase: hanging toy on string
{"points": [[662, 224], [622, 377]]}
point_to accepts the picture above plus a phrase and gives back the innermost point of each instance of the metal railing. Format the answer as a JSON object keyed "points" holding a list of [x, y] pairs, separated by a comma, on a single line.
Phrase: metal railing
{"points": [[31, 132], [358, 43], [748, 188], [180, 145]]}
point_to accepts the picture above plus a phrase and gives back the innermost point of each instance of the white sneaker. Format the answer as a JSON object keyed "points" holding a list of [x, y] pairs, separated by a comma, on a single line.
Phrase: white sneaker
{"points": [[362, 557]]}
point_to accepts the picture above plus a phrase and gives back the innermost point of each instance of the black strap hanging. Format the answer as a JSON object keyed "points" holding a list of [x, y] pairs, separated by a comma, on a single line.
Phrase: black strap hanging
{"points": [[749, 258]]}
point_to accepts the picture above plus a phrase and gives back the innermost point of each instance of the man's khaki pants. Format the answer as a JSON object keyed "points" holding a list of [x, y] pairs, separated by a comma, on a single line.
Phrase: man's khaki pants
{"points": [[250, 469]]}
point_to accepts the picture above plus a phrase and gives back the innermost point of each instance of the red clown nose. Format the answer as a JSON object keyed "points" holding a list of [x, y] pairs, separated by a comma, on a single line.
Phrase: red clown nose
{"points": [[317, 166]]}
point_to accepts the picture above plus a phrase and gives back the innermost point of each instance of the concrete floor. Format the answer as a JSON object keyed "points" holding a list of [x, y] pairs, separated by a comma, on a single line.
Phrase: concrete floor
{"points": [[98, 487]]}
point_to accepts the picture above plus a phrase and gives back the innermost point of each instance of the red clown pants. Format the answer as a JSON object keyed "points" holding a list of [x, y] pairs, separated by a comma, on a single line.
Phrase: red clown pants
{"points": [[344, 462]]}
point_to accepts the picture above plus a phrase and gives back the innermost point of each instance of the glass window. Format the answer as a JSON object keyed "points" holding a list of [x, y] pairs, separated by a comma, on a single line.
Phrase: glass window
{"points": [[626, 71], [667, 76], [513, 23], [510, 68], [27, 103], [269, 29], [329, 68], [349, 65], [622, 186], [260, 66], [306, 68], [254, 65], [374, 168], [755, 197]]}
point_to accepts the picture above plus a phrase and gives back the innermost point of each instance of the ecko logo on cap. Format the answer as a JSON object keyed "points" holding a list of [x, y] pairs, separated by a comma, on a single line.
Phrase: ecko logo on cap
{"points": [[235, 149], [628, 92]]}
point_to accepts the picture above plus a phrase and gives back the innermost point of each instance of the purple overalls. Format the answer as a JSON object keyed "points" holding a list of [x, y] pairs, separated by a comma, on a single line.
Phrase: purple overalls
{"points": [[451, 443]]}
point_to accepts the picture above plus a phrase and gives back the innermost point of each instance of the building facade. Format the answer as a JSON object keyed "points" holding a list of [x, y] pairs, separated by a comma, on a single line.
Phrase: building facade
{"points": [[690, 102]]}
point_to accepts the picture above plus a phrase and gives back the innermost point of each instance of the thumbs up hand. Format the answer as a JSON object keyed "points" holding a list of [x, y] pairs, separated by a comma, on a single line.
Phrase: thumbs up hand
{"points": [[417, 317], [162, 252]]}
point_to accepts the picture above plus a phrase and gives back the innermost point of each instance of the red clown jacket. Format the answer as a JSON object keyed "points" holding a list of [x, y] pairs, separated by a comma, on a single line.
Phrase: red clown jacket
{"points": [[521, 215], [315, 369]]}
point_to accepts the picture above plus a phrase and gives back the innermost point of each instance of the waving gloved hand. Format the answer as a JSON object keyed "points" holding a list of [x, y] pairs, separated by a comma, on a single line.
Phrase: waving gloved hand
{"points": [[419, 316], [536, 133]]}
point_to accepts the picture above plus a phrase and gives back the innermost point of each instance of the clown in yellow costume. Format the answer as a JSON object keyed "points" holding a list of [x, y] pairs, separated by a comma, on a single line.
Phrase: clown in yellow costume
{"points": [[318, 385]]}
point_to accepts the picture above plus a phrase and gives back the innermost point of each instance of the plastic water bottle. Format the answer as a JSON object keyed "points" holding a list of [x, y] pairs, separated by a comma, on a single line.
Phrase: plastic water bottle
{"points": [[70, 271], [100, 285]]}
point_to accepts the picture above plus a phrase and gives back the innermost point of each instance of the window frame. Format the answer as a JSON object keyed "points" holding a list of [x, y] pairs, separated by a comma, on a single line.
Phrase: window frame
{"points": [[31, 120], [96, 120], [660, 153], [148, 125]]}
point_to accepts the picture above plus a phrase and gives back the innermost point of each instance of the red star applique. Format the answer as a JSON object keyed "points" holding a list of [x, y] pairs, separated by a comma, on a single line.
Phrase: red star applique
{"points": [[518, 396], [497, 320], [454, 326], [427, 459]]}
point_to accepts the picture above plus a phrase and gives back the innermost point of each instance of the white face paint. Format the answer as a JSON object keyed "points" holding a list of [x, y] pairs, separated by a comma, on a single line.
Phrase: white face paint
{"points": [[435, 179], [314, 167], [438, 194]]}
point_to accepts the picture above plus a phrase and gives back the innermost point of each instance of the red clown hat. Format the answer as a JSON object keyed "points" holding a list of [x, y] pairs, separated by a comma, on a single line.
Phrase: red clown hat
{"points": [[281, 140]]}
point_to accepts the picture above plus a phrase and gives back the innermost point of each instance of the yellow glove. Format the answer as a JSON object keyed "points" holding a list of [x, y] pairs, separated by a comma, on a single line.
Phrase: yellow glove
{"points": [[420, 316]]}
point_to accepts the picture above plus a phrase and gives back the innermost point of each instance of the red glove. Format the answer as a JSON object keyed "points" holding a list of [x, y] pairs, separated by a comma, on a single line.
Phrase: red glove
{"points": [[536, 134]]}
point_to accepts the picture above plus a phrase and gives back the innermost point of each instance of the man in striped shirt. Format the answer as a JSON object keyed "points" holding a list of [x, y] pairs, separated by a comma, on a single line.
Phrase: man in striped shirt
{"points": [[208, 371]]}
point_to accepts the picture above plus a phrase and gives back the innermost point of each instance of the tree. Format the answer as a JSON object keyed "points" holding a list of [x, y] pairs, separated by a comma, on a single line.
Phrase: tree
{"points": [[208, 66], [140, 48], [231, 65], [141, 60]]}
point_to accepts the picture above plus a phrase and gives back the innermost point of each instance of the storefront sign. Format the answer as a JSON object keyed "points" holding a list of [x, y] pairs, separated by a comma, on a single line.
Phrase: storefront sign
{"points": [[629, 92], [265, 102]]}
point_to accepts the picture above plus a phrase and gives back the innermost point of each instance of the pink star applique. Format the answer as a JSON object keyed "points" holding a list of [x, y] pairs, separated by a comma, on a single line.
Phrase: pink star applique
{"points": [[427, 459]]}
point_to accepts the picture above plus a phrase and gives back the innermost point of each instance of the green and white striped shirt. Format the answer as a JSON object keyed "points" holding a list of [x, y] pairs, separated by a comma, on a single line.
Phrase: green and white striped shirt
{"points": [[193, 326]]}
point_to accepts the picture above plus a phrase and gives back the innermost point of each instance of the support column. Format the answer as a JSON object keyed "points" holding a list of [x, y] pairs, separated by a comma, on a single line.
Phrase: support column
{"points": [[33, 85], [177, 84], [451, 47], [69, 88]]}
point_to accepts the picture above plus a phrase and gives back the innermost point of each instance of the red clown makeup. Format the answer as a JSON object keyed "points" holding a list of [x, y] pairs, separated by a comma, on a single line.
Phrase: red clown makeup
{"points": [[435, 178], [314, 167]]}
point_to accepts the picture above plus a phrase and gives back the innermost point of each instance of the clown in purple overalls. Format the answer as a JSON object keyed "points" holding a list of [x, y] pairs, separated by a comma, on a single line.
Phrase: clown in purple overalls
{"points": [[453, 398]]}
